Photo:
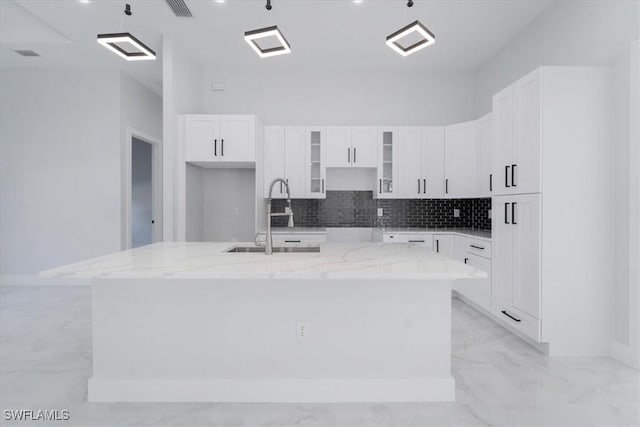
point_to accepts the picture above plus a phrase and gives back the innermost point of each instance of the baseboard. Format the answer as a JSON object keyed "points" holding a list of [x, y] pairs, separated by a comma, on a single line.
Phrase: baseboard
{"points": [[272, 390], [623, 353], [35, 280]]}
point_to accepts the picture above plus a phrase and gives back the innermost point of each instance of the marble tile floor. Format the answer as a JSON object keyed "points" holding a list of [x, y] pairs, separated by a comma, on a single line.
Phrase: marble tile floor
{"points": [[45, 361]]}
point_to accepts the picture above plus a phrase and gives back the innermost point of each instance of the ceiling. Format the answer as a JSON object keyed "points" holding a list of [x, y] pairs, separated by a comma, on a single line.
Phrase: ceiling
{"points": [[324, 34]]}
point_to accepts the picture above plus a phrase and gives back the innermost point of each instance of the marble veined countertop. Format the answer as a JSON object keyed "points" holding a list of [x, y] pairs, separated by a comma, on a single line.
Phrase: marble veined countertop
{"points": [[469, 232], [297, 230], [334, 261]]}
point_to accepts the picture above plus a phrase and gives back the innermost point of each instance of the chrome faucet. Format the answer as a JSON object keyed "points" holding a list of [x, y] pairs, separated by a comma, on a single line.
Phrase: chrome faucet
{"points": [[268, 250]]}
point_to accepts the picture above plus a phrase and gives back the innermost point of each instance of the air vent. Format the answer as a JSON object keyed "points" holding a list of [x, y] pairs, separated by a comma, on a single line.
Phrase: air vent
{"points": [[179, 8], [26, 52]]}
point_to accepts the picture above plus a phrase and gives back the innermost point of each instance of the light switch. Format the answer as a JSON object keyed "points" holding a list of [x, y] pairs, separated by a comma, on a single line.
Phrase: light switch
{"points": [[380, 212], [456, 213]]}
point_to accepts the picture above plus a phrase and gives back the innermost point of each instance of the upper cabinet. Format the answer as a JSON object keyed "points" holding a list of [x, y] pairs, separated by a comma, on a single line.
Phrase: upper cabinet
{"points": [[387, 164], [315, 156], [421, 155], [219, 138], [351, 147], [483, 141], [460, 160], [517, 137]]}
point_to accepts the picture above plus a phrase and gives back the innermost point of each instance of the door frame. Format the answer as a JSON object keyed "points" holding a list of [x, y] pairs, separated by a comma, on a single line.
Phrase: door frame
{"points": [[156, 177]]}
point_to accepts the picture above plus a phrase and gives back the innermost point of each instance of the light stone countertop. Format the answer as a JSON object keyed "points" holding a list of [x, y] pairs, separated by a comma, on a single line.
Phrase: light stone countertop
{"points": [[334, 261], [466, 232], [297, 230]]}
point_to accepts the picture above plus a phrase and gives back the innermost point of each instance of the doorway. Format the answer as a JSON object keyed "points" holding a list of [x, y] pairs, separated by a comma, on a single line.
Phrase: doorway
{"points": [[142, 220]]}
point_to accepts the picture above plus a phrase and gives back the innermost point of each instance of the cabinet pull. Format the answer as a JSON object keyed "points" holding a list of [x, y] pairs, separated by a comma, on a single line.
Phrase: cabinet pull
{"points": [[348, 155], [446, 186], [418, 185], [513, 177], [215, 147], [477, 247], [513, 213], [381, 186], [510, 316], [506, 213], [322, 185], [424, 186], [292, 241], [416, 241], [465, 260], [506, 176], [437, 245], [222, 147], [354, 155], [490, 182], [280, 187]]}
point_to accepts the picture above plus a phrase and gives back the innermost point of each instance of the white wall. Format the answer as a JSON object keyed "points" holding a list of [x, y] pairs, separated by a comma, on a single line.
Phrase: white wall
{"points": [[59, 167], [181, 94], [344, 98], [194, 227]]}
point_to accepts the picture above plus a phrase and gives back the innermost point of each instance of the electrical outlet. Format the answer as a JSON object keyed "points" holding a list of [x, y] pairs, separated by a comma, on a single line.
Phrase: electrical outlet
{"points": [[456, 213], [302, 330], [489, 213], [380, 212], [236, 211]]}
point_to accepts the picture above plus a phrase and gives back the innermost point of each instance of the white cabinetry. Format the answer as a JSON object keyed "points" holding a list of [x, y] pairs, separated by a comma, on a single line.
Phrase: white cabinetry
{"points": [[460, 160], [420, 162], [387, 163], [219, 138], [351, 147], [484, 144], [315, 155], [443, 244]]}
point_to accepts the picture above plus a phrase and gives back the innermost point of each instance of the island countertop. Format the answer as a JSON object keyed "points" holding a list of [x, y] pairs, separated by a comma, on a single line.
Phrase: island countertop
{"points": [[209, 260]]}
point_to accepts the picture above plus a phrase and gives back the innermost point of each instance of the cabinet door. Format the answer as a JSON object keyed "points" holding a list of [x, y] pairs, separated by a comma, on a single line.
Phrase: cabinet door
{"points": [[273, 160], [433, 163], [460, 160], [315, 174], [525, 166], [443, 244], [460, 248], [502, 141], [476, 290], [364, 147], [338, 147], [526, 226], [294, 160], [502, 254], [237, 139], [200, 138], [387, 162], [410, 180], [483, 142]]}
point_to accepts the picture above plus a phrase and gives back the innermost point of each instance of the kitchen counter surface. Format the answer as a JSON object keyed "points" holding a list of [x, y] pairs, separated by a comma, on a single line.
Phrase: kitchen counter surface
{"points": [[208, 260], [467, 232], [297, 230]]}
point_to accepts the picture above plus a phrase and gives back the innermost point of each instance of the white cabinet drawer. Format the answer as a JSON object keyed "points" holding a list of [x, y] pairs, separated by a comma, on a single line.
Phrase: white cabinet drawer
{"points": [[522, 322], [479, 247], [422, 238], [295, 238]]}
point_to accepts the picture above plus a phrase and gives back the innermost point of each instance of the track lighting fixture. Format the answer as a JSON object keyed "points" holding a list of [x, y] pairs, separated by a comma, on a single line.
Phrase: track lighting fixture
{"points": [[126, 45], [427, 38]]}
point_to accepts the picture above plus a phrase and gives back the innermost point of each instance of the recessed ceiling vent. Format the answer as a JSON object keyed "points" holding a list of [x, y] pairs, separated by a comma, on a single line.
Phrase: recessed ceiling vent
{"points": [[179, 8], [26, 52]]}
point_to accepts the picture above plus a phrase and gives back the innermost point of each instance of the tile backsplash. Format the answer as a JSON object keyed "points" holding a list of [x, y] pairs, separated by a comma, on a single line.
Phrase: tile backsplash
{"points": [[359, 209]]}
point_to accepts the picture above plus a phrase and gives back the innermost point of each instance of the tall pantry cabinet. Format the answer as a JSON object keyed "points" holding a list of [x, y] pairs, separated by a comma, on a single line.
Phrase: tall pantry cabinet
{"points": [[552, 262]]}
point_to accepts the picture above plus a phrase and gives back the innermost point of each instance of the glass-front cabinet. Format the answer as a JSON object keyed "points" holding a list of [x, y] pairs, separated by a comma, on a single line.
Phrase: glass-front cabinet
{"points": [[387, 170], [316, 169]]}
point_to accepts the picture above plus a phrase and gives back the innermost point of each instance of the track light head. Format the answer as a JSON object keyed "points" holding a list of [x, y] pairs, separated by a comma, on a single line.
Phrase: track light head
{"points": [[410, 3], [127, 9]]}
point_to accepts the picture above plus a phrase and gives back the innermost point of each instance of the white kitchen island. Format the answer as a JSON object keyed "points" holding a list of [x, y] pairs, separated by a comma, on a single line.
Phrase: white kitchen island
{"points": [[188, 322]]}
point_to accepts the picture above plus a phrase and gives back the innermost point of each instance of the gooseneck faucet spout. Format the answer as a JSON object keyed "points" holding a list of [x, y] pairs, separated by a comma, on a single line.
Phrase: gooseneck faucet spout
{"points": [[268, 250]]}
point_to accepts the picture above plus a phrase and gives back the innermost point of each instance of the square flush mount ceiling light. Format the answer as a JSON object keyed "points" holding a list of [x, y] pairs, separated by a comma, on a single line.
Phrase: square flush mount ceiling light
{"points": [[427, 39], [126, 46], [253, 36]]}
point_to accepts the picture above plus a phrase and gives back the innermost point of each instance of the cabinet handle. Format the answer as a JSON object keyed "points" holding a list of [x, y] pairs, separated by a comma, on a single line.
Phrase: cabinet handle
{"points": [[424, 186], [446, 186], [465, 260], [348, 155], [354, 155], [506, 213], [506, 176], [222, 147], [215, 147], [292, 241], [513, 213], [280, 187], [477, 247], [381, 186], [437, 245], [490, 182], [416, 241], [418, 185], [322, 185], [510, 316], [513, 178]]}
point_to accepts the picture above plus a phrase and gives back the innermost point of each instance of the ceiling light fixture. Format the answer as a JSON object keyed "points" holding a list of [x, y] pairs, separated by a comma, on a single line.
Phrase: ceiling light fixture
{"points": [[252, 37], [427, 38], [126, 45]]}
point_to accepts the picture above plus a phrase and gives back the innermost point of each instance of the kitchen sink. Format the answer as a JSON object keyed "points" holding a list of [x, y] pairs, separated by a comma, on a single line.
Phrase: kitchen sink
{"points": [[277, 250]]}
